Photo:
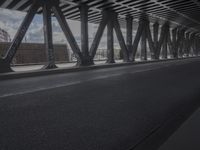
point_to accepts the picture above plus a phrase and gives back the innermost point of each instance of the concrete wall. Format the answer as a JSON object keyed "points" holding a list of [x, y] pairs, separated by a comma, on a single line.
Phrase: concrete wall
{"points": [[35, 53]]}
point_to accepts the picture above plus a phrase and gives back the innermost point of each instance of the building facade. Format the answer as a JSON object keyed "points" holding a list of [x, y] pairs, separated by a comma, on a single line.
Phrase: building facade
{"points": [[4, 36]]}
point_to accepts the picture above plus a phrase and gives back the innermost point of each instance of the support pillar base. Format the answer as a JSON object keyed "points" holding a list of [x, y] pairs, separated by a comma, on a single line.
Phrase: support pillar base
{"points": [[85, 61], [110, 61], [50, 66], [5, 66]]}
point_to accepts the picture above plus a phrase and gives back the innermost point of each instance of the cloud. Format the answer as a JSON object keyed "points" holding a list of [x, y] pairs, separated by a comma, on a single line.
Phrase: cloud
{"points": [[10, 21]]}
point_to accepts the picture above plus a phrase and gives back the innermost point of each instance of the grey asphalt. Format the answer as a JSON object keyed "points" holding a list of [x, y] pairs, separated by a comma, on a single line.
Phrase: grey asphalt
{"points": [[106, 109]]}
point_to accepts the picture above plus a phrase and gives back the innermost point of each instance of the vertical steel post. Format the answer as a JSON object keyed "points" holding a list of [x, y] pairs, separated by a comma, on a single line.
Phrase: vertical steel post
{"points": [[99, 34], [129, 35], [150, 40], [174, 43], [143, 46], [155, 37], [164, 48], [110, 40], [137, 37], [48, 36], [87, 59], [124, 50], [84, 29], [67, 32], [169, 41]]}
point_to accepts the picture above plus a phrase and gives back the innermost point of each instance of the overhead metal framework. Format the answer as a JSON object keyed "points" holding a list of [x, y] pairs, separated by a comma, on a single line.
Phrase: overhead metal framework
{"points": [[178, 12], [170, 27]]}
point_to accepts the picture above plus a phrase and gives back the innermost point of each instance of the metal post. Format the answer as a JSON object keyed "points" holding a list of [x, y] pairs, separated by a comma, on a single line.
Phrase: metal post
{"points": [[174, 41], [169, 41], [150, 40], [181, 43], [143, 46], [84, 29], [155, 37], [110, 48], [137, 38], [68, 34], [99, 34], [129, 34], [120, 38], [48, 36], [87, 59], [164, 48], [163, 35]]}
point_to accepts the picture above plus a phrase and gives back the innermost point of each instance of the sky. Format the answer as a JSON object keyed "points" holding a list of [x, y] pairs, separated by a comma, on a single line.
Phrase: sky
{"points": [[11, 23]]}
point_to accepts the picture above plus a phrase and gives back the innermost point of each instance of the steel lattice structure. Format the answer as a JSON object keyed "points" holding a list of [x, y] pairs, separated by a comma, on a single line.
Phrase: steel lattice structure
{"points": [[171, 27]]}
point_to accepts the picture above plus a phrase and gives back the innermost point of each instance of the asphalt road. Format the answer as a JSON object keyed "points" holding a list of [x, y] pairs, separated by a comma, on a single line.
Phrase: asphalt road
{"points": [[106, 109]]}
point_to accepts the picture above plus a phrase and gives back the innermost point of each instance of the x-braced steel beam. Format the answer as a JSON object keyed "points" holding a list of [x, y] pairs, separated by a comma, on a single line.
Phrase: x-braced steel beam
{"points": [[7, 59]]}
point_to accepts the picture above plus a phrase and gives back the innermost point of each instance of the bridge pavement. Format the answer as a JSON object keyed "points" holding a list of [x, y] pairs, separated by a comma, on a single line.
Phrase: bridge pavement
{"points": [[121, 108]]}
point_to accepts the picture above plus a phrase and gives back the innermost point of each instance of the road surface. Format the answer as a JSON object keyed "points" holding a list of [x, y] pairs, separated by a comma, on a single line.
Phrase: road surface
{"points": [[119, 108]]}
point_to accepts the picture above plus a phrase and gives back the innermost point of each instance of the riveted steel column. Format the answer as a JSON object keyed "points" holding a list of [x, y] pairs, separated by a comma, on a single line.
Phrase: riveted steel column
{"points": [[181, 43], [174, 43], [155, 37], [196, 46], [48, 36], [164, 45], [137, 37], [192, 40], [87, 59], [129, 35], [187, 44], [120, 38], [5, 62], [110, 40], [170, 43], [164, 48], [150, 40], [67, 32], [144, 46], [99, 34], [163, 35]]}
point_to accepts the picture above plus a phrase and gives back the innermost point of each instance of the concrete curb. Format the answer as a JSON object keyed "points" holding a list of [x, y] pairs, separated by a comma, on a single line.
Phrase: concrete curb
{"points": [[17, 75]]}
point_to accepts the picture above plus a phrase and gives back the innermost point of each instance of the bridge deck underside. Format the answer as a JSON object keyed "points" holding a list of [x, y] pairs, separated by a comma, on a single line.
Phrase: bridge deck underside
{"points": [[184, 12]]}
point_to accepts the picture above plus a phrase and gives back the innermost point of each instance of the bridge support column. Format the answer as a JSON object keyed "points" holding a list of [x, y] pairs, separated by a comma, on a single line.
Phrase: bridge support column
{"points": [[7, 59], [174, 43], [170, 43], [150, 40], [155, 36], [67, 32], [87, 59], [143, 46], [196, 48], [129, 35], [120, 38], [48, 36], [140, 30], [164, 49], [181, 42], [99, 34], [163, 36], [110, 40], [187, 44]]}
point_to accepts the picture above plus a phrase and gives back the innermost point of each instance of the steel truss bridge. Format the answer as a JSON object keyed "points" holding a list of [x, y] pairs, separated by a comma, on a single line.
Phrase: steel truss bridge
{"points": [[171, 27]]}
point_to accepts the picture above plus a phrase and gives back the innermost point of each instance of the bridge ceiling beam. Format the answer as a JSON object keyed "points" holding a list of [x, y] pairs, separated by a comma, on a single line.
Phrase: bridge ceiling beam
{"points": [[177, 12]]}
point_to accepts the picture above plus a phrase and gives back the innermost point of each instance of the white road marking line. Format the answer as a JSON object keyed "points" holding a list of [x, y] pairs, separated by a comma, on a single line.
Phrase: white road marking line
{"points": [[72, 83]]}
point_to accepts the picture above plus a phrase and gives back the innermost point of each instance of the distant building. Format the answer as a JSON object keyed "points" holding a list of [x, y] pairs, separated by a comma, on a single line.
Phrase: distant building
{"points": [[4, 36]]}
